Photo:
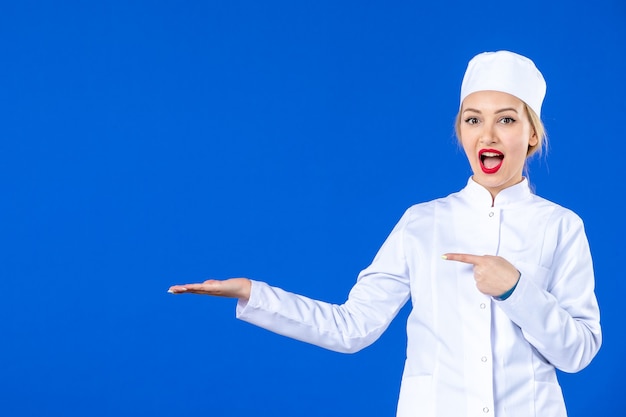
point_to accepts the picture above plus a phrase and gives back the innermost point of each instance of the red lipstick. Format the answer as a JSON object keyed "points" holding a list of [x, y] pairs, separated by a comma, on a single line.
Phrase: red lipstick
{"points": [[490, 160]]}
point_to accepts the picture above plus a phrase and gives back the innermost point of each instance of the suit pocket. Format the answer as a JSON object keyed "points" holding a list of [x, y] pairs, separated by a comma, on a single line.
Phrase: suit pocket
{"points": [[549, 399], [539, 275], [416, 397]]}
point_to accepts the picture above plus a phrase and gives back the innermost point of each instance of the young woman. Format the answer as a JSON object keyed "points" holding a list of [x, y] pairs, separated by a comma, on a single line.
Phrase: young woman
{"points": [[501, 280]]}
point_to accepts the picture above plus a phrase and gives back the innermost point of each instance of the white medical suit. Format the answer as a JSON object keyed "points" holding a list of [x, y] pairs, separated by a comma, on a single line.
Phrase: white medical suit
{"points": [[468, 354]]}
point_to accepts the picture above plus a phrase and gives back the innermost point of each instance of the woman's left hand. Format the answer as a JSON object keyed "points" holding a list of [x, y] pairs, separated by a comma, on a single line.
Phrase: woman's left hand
{"points": [[494, 275]]}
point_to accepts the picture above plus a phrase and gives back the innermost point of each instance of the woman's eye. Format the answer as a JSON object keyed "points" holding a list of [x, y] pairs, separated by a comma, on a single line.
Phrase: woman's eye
{"points": [[471, 120], [507, 120]]}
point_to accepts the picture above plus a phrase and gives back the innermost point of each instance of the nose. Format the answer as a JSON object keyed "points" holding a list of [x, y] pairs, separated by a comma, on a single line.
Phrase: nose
{"points": [[488, 134]]}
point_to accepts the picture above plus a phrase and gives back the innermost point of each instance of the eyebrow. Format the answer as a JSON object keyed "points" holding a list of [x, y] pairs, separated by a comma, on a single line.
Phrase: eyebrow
{"points": [[498, 111]]}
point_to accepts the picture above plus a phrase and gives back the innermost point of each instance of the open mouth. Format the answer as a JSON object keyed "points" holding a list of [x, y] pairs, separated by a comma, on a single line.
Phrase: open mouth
{"points": [[490, 160]]}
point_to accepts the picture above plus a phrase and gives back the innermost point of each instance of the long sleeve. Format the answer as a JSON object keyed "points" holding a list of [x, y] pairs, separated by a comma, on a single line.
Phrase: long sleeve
{"points": [[556, 309], [379, 293]]}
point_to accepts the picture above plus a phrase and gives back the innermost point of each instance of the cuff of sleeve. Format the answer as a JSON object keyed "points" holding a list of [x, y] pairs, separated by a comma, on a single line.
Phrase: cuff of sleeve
{"points": [[244, 305]]}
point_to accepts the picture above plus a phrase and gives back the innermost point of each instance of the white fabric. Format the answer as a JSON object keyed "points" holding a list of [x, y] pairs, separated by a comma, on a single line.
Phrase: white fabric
{"points": [[467, 354], [507, 72]]}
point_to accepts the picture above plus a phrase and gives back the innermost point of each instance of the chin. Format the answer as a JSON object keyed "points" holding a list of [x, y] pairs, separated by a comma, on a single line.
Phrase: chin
{"points": [[489, 181]]}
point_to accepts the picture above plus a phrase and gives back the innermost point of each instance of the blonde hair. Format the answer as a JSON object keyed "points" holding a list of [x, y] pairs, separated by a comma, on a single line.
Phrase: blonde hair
{"points": [[535, 123]]}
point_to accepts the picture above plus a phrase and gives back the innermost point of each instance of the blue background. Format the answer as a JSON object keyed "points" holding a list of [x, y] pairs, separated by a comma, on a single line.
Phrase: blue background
{"points": [[150, 143]]}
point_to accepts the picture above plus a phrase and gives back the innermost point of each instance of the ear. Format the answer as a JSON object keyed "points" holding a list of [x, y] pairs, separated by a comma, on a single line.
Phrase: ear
{"points": [[533, 141]]}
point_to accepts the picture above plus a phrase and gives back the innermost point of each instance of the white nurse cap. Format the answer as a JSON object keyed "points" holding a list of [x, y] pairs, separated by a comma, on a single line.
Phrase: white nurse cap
{"points": [[507, 72]]}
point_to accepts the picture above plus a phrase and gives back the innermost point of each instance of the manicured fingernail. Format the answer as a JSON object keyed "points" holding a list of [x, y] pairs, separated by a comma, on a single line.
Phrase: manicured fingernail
{"points": [[444, 257]]}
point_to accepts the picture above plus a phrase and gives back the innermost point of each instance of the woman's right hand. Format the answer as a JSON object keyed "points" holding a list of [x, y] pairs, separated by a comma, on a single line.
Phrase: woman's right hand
{"points": [[231, 288]]}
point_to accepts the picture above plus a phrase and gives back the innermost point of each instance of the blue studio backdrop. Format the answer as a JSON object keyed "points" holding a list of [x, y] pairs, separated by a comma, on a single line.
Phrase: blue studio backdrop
{"points": [[150, 143]]}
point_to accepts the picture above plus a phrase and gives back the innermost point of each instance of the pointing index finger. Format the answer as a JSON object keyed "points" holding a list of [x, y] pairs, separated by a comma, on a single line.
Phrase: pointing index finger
{"points": [[462, 257]]}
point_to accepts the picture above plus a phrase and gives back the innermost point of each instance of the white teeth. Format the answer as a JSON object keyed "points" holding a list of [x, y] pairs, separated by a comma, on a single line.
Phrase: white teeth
{"points": [[491, 154]]}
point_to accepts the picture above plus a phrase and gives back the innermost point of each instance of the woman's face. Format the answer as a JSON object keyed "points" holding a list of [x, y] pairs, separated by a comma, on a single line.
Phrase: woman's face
{"points": [[495, 133]]}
